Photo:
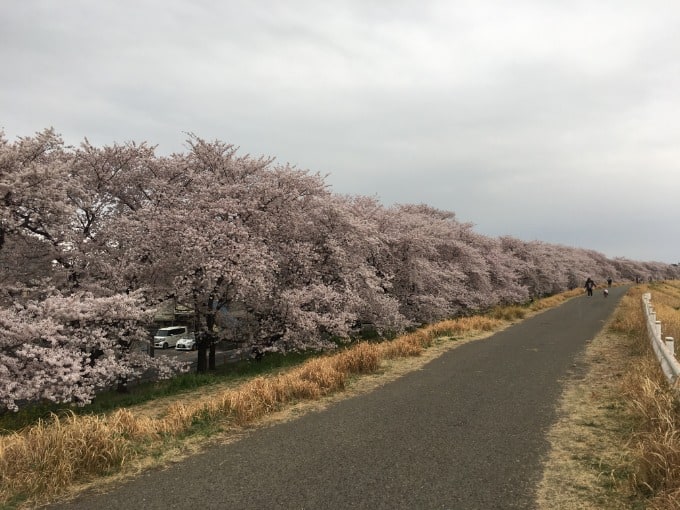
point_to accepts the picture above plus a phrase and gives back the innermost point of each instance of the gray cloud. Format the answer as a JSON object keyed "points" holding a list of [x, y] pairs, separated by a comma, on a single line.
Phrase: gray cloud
{"points": [[543, 120]]}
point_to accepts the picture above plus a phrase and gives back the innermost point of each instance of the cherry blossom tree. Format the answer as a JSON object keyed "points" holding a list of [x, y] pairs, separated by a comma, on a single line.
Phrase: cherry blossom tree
{"points": [[540, 272], [34, 213], [66, 348], [188, 241], [503, 270], [328, 285], [46, 231], [229, 232], [433, 272]]}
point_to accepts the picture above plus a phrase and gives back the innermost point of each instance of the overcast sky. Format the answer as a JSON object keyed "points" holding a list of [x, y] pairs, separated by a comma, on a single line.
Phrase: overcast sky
{"points": [[550, 120]]}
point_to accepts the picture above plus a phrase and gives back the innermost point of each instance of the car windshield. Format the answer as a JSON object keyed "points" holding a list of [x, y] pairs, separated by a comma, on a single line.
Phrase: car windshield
{"points": [[162, 333]]}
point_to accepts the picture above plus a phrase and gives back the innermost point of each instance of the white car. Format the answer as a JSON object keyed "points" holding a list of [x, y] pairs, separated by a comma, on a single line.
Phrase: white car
{"points": [[188, 343], [168, 337]]}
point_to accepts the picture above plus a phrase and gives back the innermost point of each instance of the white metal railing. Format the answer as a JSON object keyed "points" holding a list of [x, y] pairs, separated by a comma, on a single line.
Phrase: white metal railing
{"points": [[664, 348]]}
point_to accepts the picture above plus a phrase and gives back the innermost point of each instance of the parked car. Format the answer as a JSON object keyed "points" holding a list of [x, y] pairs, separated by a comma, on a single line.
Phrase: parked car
{"points": [[188, 343], [168, 337]]}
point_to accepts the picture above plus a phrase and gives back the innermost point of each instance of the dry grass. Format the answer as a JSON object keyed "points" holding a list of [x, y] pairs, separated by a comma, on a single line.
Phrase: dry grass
{"points": [[555, 300], [55, 454], [617, 443], [48, 460], [666, 302], [656, 410]]}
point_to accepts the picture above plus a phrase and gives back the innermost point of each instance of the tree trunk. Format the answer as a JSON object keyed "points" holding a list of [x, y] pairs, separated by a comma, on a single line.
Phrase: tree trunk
{"points": [[122, 386], [210, 323], [211, 356], [202, 362]]}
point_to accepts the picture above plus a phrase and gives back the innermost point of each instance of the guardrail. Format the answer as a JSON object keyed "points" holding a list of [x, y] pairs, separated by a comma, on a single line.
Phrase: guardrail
{"points": [[664, 348]]}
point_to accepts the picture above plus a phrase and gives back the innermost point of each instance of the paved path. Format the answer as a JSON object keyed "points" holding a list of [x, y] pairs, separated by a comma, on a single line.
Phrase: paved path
{"points": [[465, 432]]}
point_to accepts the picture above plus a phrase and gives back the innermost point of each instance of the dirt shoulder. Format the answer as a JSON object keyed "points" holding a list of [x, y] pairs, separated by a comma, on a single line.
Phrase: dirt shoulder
{"points": [[589, 463]]}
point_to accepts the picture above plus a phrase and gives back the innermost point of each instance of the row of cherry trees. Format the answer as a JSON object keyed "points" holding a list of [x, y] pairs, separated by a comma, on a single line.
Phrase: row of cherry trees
{"points": [[93, 239]]}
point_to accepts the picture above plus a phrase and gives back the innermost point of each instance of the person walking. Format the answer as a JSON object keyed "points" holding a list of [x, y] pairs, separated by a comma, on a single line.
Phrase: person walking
{"points": [[590, 284], [609, 281]]}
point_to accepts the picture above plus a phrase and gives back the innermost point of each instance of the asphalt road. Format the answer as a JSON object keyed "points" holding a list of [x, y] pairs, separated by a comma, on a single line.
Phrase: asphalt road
{"points": [[465, 432]]}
